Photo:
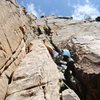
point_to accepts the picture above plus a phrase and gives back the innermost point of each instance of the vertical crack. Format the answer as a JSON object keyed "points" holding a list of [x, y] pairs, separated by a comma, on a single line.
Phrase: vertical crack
{"points": [[10, 78], [44, 91], [8, 42]]}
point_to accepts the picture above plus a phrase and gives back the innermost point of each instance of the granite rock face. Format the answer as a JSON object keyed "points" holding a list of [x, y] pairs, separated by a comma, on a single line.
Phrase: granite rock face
{"points": [[86, 49], [27, 70], [36, 78], [83, 38], [14, 25]]}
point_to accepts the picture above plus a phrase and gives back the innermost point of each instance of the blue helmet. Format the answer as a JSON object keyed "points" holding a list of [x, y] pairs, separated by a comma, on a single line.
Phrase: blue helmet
{"points": [[66, 52]]}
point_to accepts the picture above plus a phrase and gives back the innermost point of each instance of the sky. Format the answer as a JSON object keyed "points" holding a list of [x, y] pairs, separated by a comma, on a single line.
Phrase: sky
{"points": [[78, 9]]}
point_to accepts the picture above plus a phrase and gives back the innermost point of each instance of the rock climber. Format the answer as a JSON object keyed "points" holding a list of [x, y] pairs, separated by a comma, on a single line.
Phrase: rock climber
{"points": [[61, 57]]}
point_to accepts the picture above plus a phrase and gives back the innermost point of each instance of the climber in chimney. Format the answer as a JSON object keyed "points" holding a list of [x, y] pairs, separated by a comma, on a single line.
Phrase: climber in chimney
{"points": [[66, 59], [62, 58]]}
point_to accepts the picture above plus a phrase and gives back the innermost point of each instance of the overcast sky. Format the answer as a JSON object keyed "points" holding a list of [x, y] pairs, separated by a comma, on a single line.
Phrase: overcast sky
{"points": [[79, 9]]}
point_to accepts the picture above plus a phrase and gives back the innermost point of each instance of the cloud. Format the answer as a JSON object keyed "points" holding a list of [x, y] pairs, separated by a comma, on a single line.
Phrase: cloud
{"points": [[31, 9], [87, 1], [86, 10], [41, 13]]}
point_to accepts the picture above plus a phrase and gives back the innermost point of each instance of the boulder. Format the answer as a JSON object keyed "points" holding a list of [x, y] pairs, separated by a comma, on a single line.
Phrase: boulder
{"points": [[98, 19], [69, 94]]}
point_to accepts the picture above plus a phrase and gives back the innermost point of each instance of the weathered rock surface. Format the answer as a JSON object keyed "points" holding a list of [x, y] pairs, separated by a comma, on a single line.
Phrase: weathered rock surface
{"points": [[86, 48], [14, 30], [63, 28], [83, 38], [3, 87], [36, 78]]}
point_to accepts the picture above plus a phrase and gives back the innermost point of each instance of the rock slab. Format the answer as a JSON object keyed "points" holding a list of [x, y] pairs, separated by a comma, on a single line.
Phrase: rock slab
{"points": [[37, 76]]}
